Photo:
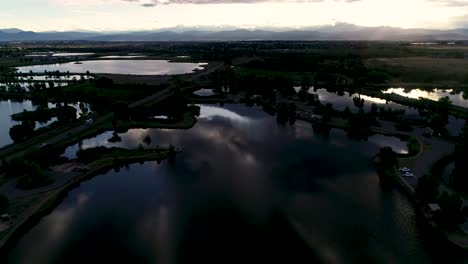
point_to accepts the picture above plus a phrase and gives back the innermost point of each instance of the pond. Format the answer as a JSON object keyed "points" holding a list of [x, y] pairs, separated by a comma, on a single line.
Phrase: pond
{"points": [[9, 107], [205, 92], [456, 98], [341, 101], [58, 54], [242, 188], [137, 67], [54, 78], [398, 145], [70, 54], [26, 86], [122, 56]]}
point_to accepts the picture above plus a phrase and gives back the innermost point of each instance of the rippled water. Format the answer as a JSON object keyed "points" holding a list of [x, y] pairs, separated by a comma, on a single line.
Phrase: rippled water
{"points": [[243, 190]]}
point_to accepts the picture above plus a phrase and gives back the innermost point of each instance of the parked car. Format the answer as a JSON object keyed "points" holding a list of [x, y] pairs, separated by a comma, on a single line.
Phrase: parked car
{"points": [[404, 169], [408, 174]]}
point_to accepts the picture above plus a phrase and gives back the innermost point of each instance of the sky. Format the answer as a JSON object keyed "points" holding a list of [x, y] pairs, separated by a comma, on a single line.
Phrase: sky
{"points": [[115, 15]]}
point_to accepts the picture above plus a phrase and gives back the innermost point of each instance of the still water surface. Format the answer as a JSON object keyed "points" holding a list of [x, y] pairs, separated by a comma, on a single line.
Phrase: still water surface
{"points": [[9, 108], [456, 98], [139, 67], [244, 190]]}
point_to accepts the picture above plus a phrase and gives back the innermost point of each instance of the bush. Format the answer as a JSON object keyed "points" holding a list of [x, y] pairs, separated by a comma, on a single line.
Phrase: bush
{"points": [[427, 189], [34, 178], [413, 146], [4, 203], [451, 206]]}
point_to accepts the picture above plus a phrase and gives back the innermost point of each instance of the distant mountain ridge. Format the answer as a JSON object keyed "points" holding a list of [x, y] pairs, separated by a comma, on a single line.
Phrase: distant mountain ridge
{"points": [[340, 31]]}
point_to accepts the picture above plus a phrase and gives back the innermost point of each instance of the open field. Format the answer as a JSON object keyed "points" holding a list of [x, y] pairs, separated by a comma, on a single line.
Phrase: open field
{"points": [[424, 70]]}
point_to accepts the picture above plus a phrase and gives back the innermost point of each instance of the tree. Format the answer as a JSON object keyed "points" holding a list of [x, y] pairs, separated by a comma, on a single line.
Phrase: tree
{"points": [[172, 154], [147, 139], [358, 102], [120, 110], [388, 158], [22, 131], [282, 113], [104, 82], [450, 214], [305, 82], [4, 203], [66, 114], [374, 108], [427, 189], [459, 177], [445, 104], [34, 177]]}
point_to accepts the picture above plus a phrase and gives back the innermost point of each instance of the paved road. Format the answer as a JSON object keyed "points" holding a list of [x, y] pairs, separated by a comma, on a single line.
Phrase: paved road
{"points": [[436, 150]]}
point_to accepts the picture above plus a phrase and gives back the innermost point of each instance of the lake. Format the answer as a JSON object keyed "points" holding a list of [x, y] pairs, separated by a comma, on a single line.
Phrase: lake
{"points": [[456, 98], [205, 92], [9, 107], [58, 54], [341, 101], [54, 78], [26, 86], [137, 67], [134, 137], [243, 190], [122, 57]]}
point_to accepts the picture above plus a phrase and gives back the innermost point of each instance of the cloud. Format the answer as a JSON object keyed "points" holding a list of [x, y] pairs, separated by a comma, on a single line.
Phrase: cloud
{"points": [[153, 3], [451, 3]]}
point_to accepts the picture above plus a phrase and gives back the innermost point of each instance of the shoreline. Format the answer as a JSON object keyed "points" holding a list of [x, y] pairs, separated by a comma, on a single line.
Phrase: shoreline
{"points": [[452, 238], [51, 197]]}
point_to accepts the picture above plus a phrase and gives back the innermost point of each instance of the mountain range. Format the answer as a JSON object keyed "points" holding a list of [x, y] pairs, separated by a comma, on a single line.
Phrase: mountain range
{"points": [[339, 31]]}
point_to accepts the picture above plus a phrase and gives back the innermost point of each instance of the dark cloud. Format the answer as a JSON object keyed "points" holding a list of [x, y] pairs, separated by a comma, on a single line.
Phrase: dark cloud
{"points": [[152, 3]]}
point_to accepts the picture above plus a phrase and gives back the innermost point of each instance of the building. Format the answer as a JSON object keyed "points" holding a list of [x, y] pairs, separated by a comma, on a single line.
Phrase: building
{"points": [[428, 132]]}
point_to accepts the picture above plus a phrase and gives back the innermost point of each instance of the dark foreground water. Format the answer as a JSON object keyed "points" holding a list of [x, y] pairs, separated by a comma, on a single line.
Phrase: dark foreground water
{"points": [[244, 190]]}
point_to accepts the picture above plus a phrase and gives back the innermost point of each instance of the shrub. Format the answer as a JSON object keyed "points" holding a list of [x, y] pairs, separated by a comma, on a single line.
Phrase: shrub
{"points": [[4, 203]]}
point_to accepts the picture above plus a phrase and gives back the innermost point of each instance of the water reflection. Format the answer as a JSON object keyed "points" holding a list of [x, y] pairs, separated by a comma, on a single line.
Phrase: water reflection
{"points": [[139, 67], [122, 57], [237, 192], [58, 54], [398, 145], [342, 100], [435, 95], [69, 54], [9, 107], [205, 92]]}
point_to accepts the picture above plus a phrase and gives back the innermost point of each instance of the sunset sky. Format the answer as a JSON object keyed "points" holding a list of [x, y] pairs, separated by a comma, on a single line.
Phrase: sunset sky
{"points": [[110, 15]]}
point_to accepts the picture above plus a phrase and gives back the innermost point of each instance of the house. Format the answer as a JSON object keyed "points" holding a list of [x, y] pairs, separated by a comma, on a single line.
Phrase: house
{"points": [[5, 217], [316, 117], [433, 207], [428, 132]]}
